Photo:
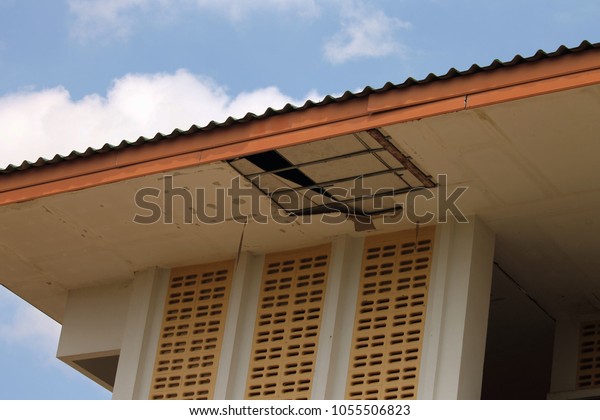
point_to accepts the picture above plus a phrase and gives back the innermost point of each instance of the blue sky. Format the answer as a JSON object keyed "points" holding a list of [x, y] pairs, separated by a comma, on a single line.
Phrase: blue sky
{"points": [[79, 73]]}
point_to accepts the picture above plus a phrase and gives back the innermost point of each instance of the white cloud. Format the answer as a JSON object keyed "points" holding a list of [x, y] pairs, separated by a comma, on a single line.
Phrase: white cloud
{"points": [[118, 18], [365, 32], [28, 327], [240, 9], [47, 122], [99, 18]]}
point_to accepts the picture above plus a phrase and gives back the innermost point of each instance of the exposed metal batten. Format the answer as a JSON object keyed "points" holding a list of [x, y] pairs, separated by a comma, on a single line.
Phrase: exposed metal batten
{"points": [[357, 175]]}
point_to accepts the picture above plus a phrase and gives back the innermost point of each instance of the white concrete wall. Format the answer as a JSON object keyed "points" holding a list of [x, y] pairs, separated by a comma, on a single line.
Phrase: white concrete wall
{"points": [[240, 329], [94, 321], [141, 334], [565, 359], [127, 318], [337, 323], [456, 324], [122, 319]]}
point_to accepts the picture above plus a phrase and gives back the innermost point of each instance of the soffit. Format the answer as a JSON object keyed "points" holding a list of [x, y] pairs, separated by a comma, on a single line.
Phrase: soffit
{"points": [[529, 166]]}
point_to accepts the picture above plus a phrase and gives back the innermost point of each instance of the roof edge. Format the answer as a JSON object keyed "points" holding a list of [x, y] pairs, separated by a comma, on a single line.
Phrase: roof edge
{"points": [[499, 82]]}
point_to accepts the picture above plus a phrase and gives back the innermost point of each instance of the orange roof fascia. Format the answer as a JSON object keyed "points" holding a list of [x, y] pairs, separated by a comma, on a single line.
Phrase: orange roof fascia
{"points": [[302, 126]]}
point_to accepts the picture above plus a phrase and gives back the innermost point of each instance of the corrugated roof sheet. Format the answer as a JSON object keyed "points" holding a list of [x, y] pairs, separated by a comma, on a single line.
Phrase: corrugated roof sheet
{"points": [[452, 73]]}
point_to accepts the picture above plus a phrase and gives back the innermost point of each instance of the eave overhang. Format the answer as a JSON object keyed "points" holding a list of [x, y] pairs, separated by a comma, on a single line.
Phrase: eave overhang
{"points": [[351, 113]]}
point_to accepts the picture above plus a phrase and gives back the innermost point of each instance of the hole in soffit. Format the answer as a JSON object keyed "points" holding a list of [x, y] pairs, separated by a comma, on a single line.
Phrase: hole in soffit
{"points": [[357, 174]]}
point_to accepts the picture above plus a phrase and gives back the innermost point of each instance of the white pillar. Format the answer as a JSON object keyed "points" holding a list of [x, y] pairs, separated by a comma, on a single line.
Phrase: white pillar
{"points": [[335, 336], [141, 334], [565, 359], [457, 311], [239, 328], [246, 267]]}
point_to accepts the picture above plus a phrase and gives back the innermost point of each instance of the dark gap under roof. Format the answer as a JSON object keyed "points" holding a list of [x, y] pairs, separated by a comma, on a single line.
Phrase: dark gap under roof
{"points": [[357, 174]]}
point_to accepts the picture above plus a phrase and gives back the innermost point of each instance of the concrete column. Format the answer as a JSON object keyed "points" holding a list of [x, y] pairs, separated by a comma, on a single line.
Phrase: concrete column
{"points": [[335, 337], [245, 268], [239, 328], [457, 311], [141, 334], [565, 358]]}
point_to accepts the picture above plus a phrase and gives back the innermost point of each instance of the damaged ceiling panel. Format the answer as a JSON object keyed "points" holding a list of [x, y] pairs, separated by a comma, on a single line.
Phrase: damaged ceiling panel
{"points": [[355, 174]]}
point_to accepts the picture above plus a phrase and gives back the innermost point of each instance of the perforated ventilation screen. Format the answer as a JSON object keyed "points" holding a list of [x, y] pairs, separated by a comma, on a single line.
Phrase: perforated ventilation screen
{"points": [[191, 333], [287, 324], [588, 369], [390, 315]]}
